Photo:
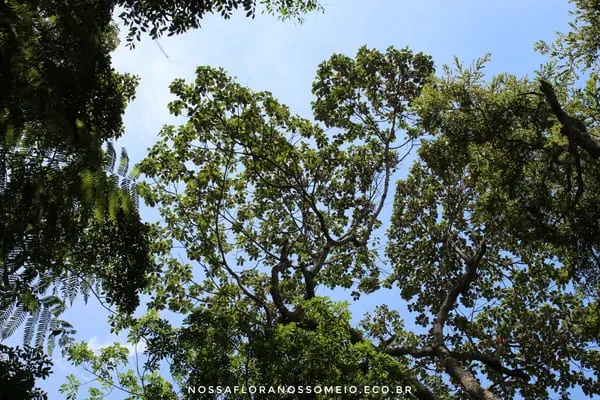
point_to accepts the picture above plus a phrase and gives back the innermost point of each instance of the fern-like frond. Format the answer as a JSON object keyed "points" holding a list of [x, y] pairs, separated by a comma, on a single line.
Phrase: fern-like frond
{"points": [[30, 325], [70, 288], [45, 282], [14, 322], [54, 330], [111, 157], [85, 291], [123, 163], [5, 315], [3, 170], [113, 205], [87, 183], [114, 180], [58, 327], [126, 185], [58, 309], [135, 196], [135, 172], [66, 335], [42, 328], [51, 301]]}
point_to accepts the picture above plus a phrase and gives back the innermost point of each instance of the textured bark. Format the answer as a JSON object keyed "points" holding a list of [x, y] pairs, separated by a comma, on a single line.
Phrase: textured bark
{"points": [[422, 392], [573, 128], [469, 383], [465, 378]]}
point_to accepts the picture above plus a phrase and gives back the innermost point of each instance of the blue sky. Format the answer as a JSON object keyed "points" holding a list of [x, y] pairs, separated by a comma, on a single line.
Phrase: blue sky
{"points": [[266, 54]]}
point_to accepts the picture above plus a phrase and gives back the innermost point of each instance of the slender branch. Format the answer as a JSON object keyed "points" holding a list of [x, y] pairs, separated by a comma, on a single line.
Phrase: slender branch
{"points": [[320, 259], [492, 363], [428, 351], [109, 382], [447, 359], [224, 262], [461, 286], [386, 186], [96, 295]]}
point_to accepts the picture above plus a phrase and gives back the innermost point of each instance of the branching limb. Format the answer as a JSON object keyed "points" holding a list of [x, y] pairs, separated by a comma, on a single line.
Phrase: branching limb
{"points": [[573, 128], [284, 263], [461, 286], [422, 392], [429, 351], [492, 363], [446, 358], [416, 352]]}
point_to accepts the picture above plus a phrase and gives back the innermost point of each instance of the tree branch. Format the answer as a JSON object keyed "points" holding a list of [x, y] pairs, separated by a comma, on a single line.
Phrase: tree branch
{"points": [[464, 378], [491, 362], [428, 351], [447, 359], [422, 391], [284, 263], [461, 286], [573, 128], [417, 352]]}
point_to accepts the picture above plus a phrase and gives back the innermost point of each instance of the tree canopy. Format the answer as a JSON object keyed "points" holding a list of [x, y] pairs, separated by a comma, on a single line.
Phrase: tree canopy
{"points": [[174, 17], [70, 224], [18, 370], [60, 210], [493, 240]]}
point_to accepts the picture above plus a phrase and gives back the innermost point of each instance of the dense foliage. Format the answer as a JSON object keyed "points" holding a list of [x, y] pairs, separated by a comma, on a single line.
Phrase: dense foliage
{"points": [[63, 218], [247, 185], [69, 220], [18, 370], [174, 17], [493, 241]]}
